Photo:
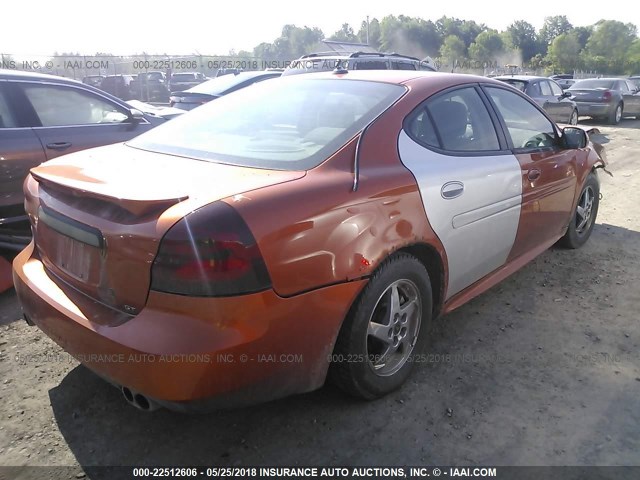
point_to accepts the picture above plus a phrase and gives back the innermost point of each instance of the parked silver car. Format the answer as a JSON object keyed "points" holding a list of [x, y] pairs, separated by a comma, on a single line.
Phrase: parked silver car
{"points": [[608, 98], [546, 93]]}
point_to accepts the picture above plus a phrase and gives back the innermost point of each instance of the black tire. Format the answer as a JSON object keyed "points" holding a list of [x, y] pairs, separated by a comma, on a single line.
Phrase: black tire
{"points": [[577, 234], [614, 117], [352, 365]]}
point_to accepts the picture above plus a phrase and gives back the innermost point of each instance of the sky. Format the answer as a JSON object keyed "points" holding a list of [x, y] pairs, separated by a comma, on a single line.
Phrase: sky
{"points": [[125, 27]]}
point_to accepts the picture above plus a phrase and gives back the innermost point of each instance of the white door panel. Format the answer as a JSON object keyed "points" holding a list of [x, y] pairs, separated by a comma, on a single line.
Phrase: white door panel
{"points": [[478, 226]]}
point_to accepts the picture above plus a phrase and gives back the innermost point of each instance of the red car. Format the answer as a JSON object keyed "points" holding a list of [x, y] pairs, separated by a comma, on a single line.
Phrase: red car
{"points": [[306, 227]]}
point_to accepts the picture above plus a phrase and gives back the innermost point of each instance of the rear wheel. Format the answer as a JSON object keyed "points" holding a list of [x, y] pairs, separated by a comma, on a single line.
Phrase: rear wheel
{"points": [[388, 323], [616, 115], [585, 214]]}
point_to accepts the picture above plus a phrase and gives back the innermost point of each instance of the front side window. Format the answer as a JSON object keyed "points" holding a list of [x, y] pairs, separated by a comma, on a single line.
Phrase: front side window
{"points": [[526, 125], [292, 123], [455, 121], [60, 106]]}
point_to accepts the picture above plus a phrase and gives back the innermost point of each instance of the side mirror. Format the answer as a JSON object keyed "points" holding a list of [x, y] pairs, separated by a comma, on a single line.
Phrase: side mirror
{"points": [[573, 138], [135, 115], [565, 94]]}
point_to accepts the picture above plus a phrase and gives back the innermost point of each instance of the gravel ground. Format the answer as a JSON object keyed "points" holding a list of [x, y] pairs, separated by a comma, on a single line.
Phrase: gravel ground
{"points": [[543, 369]]}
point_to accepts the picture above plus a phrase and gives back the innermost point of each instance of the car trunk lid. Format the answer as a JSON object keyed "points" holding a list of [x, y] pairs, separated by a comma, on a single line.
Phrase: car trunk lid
{"points": [[589, 95], [102, 213]]}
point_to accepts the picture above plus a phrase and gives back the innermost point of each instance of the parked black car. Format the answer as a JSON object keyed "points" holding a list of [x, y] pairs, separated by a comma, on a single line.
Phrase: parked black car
{"points": [[184, 80], [119, 86], [610, 99], [151, 86], [546, 93], [217, 87], [43, 117]]}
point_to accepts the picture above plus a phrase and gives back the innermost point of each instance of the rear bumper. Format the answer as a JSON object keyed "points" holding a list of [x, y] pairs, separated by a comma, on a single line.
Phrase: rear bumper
{"points": [[595, 109], [196, 353]]}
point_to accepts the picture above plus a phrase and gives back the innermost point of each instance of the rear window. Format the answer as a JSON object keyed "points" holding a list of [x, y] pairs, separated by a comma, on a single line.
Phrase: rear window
{"points": [[183, 77], [592, 83], [519, 84], [285, 124]]}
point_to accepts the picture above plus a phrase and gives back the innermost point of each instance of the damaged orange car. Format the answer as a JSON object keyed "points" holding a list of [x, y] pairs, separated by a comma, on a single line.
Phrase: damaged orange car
{"points": [[307, 227]]}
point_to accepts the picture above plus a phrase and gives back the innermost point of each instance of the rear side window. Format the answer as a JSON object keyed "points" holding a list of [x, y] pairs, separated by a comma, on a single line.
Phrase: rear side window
{"points": [[555, 88], [7, 119], [545, 88], [526, 125], [454, 121], [62, 106]]}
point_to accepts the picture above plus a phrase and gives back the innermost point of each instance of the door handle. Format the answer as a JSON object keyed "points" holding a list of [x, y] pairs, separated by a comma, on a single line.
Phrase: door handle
{"points": [[58, 145], [452, 190], [533, 174]]}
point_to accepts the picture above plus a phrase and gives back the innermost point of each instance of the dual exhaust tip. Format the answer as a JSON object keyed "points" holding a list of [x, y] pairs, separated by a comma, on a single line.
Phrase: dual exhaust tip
{"points": [[134, 398], [138, 400]]}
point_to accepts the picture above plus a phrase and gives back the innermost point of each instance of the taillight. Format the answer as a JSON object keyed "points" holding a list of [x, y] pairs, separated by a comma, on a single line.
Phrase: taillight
{"points": [[606, 95], [210, 253]]}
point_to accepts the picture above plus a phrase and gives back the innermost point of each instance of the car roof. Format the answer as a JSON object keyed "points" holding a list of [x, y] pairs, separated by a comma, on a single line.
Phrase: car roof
{"points": [[399, 77], [522, 78], [20, 75]]}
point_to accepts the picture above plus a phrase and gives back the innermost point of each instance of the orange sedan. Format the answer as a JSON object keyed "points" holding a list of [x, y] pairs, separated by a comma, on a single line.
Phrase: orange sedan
{"points": [[306, 227]]}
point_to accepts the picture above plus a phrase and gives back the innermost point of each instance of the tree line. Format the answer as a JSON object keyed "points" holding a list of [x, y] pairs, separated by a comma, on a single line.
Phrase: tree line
{"points": [[609, 46]]}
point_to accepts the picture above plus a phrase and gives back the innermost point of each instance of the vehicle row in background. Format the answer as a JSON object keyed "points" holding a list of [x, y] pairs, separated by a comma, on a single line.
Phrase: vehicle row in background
{"points": [[43, 117], [147, 86], [546, 93], [217, 87], [608, 99]]}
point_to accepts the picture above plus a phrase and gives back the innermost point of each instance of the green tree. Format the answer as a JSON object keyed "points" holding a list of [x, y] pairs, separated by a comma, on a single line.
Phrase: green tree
{"points": [[345, 34], [554, 26], [608, 44], [374, 33], [583, 34], [412, 36], [292, 43], [564, 52], [522, 35], [452, 49], [488, 46]]}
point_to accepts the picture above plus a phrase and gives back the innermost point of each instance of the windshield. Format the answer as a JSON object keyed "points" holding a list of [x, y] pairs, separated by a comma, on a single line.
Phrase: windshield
{"points": [[219, 85], [592, 83], [285, 124]]}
